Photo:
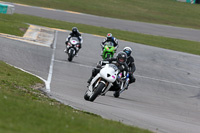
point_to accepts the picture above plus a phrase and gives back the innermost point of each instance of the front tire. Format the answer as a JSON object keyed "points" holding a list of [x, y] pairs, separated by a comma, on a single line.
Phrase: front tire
{"points": [[97, 91], [108, 56], [70, 55], [86, 97]]}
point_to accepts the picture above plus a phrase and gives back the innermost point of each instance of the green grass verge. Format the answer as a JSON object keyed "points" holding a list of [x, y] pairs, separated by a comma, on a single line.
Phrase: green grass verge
{"points": [[169, 12], [9, 25], [18, 21], [26, 110]]}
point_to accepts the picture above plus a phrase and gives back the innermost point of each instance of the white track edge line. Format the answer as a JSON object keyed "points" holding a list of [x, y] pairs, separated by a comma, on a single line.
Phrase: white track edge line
{"points": [[48, 82]]}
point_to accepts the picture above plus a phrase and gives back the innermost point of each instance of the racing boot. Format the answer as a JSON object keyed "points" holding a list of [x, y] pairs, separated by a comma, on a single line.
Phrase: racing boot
{"points": [[80, 45], [89, 80], [126, 88], [116, 94]]}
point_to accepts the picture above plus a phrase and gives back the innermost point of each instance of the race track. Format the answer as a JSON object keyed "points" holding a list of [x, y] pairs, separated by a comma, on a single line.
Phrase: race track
{"points": [[164, 99]]}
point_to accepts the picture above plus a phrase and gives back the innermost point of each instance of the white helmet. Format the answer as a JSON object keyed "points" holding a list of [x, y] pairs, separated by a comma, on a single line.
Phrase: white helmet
{"points": [[128, 51]]}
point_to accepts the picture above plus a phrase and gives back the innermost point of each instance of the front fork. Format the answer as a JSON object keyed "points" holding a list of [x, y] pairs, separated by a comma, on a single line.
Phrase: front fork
{"points": [[107, 87], [97, 77], [124, 85]]}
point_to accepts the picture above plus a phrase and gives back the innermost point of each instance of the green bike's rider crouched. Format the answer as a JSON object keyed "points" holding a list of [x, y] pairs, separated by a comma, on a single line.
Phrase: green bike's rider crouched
{"points": [[112, 39], [119, 61]]}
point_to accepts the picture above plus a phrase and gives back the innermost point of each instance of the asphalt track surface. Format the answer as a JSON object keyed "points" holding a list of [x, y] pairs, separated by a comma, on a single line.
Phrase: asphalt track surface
{"points": [[164, 99], [140, 27]]}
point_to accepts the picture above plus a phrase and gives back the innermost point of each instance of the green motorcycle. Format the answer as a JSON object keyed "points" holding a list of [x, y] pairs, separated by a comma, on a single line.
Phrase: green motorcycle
{"points": [[108, 50]]}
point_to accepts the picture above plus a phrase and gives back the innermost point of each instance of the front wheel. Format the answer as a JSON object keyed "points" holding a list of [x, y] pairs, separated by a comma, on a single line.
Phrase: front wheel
{"points": [[97, 92], [109, 55], [70, 54], [86, 97]]}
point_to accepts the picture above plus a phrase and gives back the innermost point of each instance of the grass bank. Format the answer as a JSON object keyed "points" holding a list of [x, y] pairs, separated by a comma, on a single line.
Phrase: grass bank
{"points": [[17, 21], [9, 25], [168, 12], [26, 110]]}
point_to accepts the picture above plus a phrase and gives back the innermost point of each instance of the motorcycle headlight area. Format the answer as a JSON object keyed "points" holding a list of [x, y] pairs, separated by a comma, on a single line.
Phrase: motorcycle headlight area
{"points": [[108, 74]]}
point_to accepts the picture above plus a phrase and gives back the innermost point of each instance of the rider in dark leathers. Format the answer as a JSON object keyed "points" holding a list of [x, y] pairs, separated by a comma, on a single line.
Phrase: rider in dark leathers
{"points": [[119, 61], [74, 33], [130, 63]]}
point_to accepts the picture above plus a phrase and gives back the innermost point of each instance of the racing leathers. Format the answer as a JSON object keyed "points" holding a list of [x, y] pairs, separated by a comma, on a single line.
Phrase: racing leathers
{"points": [[78, 35], [113, 40], [132, 68]]}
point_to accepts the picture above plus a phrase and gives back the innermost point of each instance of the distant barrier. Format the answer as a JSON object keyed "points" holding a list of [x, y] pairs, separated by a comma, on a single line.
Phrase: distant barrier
{"points": [[190, 1], [7, 9], [197, 2]]}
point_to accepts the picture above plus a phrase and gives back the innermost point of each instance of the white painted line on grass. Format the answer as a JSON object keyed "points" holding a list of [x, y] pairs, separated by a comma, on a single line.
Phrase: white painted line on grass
{"points": [[48, 82]]}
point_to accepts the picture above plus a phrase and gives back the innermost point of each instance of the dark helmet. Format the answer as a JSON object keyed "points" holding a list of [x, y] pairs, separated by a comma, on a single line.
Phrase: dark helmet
{"points": [[121, 57], [74, 30], [109, 36], [128, 51]]}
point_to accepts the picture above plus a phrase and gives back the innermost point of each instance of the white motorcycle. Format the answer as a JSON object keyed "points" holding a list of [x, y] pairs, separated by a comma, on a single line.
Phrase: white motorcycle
{"points": [[102, 82], [72, 47]]}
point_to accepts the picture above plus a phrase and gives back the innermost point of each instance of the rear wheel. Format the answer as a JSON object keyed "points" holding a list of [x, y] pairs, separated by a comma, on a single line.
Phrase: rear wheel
{"points": [[97, 91]]}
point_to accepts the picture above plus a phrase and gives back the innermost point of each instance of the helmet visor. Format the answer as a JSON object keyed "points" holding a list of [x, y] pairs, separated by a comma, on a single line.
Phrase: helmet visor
{"points": [[121, 60], [128, 53], [74, 31]]}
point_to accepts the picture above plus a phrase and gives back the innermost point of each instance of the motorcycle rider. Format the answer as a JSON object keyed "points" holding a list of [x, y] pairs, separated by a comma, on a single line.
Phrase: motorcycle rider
{"points": [[130, 63], [74, 33], [112, 39], [119, 61]]}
